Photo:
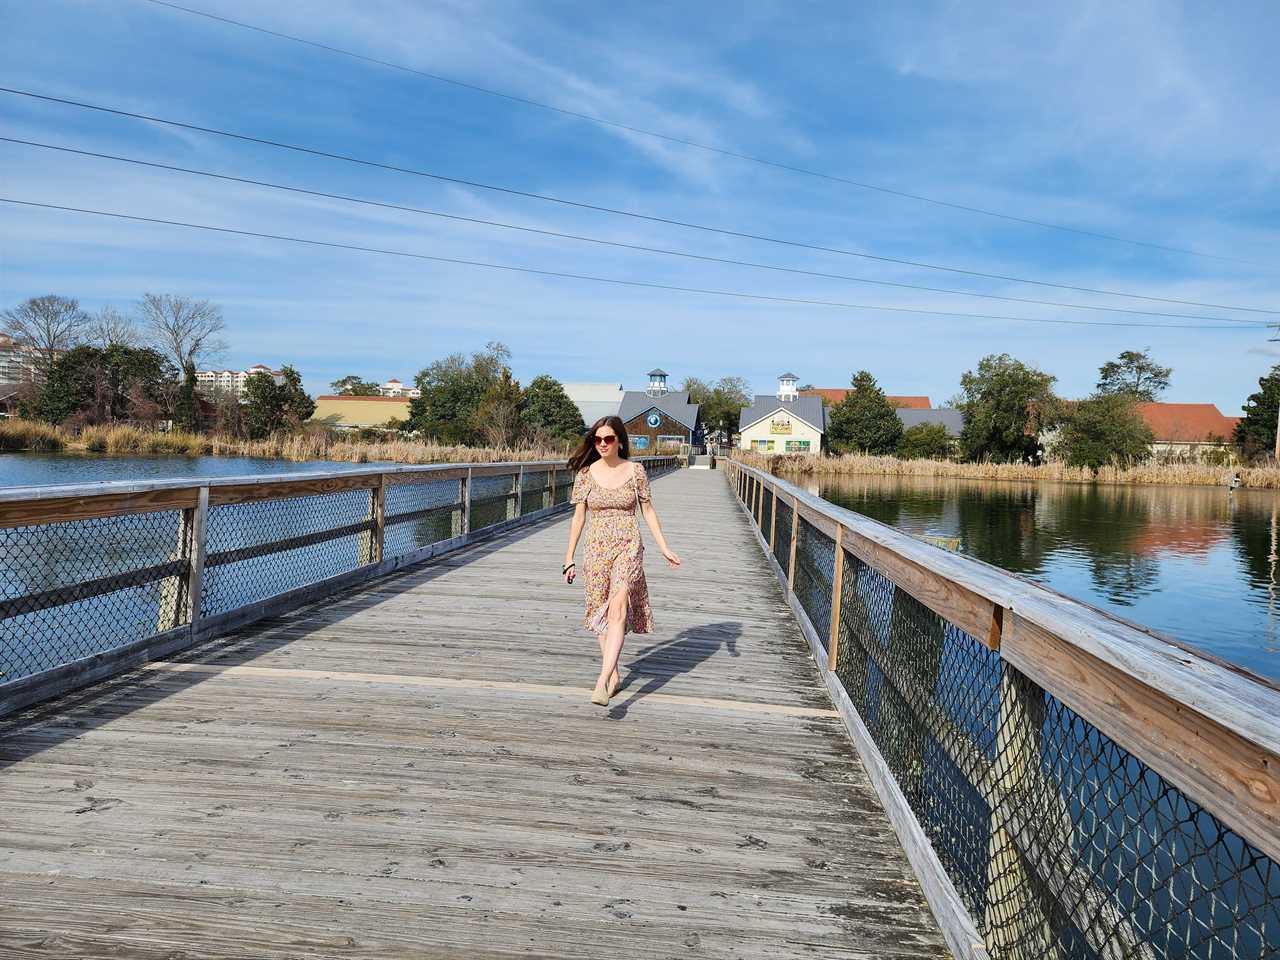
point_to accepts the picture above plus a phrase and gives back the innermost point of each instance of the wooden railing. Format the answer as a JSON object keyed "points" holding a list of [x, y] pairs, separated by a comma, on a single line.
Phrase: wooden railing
{"points": [[98, 578], [1065, 783]]}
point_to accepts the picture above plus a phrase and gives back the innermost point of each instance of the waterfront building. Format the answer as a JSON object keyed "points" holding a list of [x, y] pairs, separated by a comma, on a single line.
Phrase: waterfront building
{"points": [[1186, 431], [595, 400], [786, 422], [355, 413], [394, 388], [658, 418], [233, 381], [19, 362], [949, 418]]}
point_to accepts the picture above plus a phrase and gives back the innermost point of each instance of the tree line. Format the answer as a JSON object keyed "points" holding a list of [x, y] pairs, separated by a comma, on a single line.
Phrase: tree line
{"points": [[87, 369], [1008, 408]]}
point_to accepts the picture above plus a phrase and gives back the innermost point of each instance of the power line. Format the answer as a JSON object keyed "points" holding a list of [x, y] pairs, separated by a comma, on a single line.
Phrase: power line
{"points": [[736, 294], [630, 128], [581, 205], [598, 240]]}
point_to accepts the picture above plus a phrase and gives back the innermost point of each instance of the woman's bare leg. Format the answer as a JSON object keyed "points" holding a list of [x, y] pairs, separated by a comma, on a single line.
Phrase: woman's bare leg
{"points": [[611, 648], [614, 680]]}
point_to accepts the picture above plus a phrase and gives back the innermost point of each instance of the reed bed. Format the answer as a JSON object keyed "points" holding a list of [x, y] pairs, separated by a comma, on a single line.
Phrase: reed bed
{"points": [[30, 435], [121, 440], [1167, 474], [325, 446]]}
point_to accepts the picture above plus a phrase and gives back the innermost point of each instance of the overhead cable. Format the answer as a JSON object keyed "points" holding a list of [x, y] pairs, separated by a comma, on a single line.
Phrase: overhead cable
{"points": [[599, 240], [683, 141], [510, 268], [511, 191]]}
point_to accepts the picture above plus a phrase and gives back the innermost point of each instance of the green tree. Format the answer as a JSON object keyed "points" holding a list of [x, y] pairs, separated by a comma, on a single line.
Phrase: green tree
{"points": [[186, 408], [720, 403], [94, 385], [451, 393], [295, 402], [864, 421], [548, 415], [1256, 432], [263, 410], [352, 386], [1134, 374], [1105, 429], [496, 421], [1005, 404], [925, 441]]}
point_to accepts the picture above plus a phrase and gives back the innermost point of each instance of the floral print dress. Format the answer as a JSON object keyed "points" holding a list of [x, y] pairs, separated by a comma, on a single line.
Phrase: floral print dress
{"points": [[614, 555]]}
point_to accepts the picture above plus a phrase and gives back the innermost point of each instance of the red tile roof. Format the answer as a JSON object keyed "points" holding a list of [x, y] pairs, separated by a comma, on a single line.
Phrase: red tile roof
{"points": [[1187, 422], [833, 395]]}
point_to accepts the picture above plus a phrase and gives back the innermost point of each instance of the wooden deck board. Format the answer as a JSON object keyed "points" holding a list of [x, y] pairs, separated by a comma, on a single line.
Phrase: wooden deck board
{"points": [[413, 769]]}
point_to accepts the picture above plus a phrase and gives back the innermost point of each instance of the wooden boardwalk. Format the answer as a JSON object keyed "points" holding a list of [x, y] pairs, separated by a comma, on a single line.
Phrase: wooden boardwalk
{"points": [[413, 769]]}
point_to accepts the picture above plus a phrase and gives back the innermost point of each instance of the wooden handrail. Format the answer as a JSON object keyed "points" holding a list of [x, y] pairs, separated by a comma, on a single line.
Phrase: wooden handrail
{"points": [[1208, 727]]}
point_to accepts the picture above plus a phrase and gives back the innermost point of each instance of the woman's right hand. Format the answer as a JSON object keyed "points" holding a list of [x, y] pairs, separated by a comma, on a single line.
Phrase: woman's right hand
{"points": [[569, 571]]}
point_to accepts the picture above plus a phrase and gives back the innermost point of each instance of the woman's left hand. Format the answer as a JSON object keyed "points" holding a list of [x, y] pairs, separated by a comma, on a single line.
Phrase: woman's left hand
{"points": [[671, 557]]}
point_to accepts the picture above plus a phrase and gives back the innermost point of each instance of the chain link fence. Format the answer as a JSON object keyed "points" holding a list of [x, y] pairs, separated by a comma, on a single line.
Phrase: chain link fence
{"points": [[93, 584], [1060, 843]]}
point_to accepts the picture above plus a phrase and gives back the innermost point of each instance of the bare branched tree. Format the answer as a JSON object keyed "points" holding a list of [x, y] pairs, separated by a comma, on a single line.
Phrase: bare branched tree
{"points": [[47, 326], [110, 327], [187, 330]]}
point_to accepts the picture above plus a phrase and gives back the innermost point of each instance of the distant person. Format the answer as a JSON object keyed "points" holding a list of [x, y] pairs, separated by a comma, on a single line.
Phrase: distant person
{"points": [[608, 484]]}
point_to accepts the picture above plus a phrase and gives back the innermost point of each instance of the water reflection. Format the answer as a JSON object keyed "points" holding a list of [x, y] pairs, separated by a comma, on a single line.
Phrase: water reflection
{"points": [[1197, 563]]}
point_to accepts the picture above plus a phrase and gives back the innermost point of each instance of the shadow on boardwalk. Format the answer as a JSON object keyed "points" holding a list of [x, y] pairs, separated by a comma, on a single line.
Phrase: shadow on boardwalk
{"points": [[659, 663]]}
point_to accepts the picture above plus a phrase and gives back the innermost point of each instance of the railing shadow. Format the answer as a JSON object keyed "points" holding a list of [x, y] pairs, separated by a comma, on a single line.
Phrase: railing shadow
{"points": [[80, 711], [661, 662]]}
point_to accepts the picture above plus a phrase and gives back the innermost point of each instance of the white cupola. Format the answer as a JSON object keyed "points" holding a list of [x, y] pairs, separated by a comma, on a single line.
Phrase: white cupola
{"points": [[657, 383], [787, 386]]}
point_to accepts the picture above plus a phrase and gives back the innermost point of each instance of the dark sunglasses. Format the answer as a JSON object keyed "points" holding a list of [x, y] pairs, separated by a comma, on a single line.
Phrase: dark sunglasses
{"points": [[606, 440]]}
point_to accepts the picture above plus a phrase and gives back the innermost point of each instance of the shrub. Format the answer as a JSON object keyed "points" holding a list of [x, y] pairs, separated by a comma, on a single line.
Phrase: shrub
{"points": [[925, 441]]}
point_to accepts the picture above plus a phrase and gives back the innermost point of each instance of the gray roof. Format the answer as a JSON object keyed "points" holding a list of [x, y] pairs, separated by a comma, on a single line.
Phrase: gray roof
{"points": [[788, 376], [675, 405], [951, 419], [808, 409], [593, 410], [658, 373]]}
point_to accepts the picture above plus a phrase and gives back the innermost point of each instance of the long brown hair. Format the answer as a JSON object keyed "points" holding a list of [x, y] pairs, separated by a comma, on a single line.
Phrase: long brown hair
{"points": [[586, 454]]}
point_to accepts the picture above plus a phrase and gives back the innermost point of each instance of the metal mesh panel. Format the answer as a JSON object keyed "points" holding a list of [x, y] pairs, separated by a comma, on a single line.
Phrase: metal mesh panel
{"points": [[1060, 843], [782, 534], [419, 512], [564, 486], [815, 571], [238, 570], [493, 500], [766, 513], [533, 491], [69, 590]]}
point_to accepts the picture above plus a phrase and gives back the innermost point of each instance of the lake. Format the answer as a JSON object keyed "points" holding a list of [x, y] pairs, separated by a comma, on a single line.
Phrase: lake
{"points": [[39, 469], [1195, 563]]}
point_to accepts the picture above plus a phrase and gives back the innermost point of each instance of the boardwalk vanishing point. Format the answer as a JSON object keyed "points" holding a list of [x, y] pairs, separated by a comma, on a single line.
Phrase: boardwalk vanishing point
{"points": [[412, 768]]}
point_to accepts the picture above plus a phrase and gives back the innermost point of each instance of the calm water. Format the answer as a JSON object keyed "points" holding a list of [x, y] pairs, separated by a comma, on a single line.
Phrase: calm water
{"points": [[36, 469], [1194, 563]]}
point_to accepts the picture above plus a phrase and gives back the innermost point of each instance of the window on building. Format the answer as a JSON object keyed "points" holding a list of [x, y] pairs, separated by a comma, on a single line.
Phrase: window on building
{"points": [[762, 445], [797, 446], [669, 440]]}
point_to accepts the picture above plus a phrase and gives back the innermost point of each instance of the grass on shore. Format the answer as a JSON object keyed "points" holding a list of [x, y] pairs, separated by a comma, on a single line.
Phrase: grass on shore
{"points": [[1168, 474], [124, 440]]}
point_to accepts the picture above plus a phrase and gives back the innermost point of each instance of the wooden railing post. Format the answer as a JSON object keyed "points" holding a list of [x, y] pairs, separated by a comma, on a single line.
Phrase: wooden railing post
{"points": [[199, 543], [179, 605], [466, 504], [1015, 919], [837, 588], [795, 535], [378, 514]]}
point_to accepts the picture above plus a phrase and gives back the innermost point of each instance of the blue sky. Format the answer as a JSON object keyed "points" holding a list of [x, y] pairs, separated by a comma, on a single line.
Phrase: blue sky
{"points": [[1155, 121]]}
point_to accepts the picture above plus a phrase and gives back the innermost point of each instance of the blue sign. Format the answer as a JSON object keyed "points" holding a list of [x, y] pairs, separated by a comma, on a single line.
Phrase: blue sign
{"points": [[639, 443], [654, 419]]}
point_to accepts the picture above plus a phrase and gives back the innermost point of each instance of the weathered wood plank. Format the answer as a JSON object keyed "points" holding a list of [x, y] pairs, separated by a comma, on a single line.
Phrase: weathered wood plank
{"points": [[25, 513], [287, 489]]}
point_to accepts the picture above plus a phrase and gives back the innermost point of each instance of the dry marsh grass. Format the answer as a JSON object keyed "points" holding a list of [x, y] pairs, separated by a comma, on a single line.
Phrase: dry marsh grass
{"points": [[30, 435], [1167, 474]]}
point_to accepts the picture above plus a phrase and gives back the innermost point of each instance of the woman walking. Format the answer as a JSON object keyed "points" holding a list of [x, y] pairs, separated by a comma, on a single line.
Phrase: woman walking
{"points": [[609, 485]]}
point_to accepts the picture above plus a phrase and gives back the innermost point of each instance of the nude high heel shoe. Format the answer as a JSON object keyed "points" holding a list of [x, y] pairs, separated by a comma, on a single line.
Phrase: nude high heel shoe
{"points": [[600, 695]]}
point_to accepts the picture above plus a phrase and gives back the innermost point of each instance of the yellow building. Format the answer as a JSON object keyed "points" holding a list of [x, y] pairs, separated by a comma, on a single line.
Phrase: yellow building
{"points": [[352, 413], [783, 423]]}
